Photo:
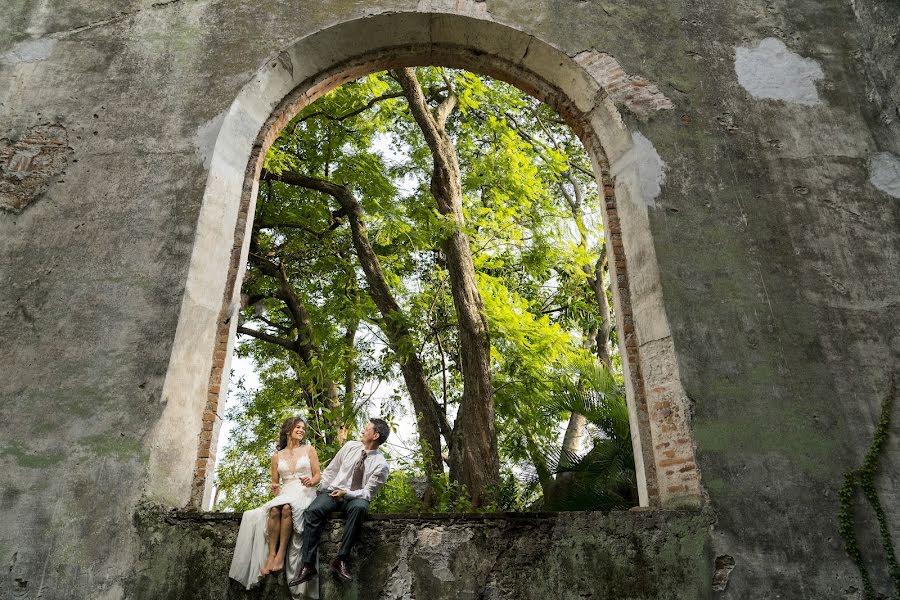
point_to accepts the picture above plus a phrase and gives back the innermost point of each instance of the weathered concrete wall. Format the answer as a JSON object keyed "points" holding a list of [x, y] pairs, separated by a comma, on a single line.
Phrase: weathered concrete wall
{"points": [[616, 556], [878, 37], [776, 228]]}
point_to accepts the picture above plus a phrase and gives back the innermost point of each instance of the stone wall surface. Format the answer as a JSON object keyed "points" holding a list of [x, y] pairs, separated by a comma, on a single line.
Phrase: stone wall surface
{"points": [[615, 556], [879, 41], [774, 220]]}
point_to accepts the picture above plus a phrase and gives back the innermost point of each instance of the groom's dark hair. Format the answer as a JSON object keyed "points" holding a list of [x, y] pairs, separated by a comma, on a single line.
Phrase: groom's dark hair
{"points": [[381, 428]]}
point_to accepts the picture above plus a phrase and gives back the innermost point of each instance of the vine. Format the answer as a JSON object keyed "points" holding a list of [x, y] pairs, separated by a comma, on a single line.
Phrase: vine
{"points": [[864, 478]]}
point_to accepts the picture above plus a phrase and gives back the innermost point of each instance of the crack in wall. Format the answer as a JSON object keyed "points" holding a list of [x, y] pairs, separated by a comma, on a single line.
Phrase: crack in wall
{"points": [[122, 15]]}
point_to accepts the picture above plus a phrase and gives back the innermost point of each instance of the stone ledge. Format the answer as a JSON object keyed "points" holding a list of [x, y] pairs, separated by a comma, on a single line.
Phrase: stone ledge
{"points": [[621, 555], [195, 515]]}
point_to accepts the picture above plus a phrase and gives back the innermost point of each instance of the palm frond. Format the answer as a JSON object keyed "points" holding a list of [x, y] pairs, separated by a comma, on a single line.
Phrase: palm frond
{"points": [[603, 478]]}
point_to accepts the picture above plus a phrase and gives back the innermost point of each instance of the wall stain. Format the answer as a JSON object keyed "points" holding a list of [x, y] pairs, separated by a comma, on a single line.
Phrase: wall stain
{"points": [[29, 165]]}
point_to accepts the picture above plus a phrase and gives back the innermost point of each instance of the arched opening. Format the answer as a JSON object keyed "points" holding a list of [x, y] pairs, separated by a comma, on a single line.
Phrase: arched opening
{"points": [[360, 299], [574, 86]]}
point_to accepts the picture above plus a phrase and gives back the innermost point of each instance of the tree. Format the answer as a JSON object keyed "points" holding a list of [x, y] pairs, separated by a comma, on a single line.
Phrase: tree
{"points": [[430, 420], [474, 461], [441, 228]]}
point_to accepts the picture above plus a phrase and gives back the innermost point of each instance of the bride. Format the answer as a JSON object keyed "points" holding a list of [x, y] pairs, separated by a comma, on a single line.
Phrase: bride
{"points": [[264, 540]]}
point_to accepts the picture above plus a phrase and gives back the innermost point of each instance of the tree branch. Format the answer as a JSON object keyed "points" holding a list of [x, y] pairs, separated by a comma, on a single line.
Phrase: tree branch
{"points": [[419, 107], [286, 344], [272, 324], [338, 192], [304, 346], [390, 95], [536, 143], [336, 219], [447, 105], [352, 113]]}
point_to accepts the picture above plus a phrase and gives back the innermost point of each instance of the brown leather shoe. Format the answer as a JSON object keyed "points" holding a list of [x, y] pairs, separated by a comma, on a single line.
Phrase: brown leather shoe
{"points": [[305, 574], [339, 568]]}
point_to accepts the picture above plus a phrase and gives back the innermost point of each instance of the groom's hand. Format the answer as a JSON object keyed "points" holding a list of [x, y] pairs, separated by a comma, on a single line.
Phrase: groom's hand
{"points": [[337, 494]]}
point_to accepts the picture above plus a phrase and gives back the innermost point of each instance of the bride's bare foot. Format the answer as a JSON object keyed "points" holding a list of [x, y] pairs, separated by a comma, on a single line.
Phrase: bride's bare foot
{"points": [[277, 564], [268, 567]]}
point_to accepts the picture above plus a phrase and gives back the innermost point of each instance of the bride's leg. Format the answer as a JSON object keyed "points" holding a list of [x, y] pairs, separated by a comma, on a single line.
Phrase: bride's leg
{"points": [[287, 524], [273, 530]]}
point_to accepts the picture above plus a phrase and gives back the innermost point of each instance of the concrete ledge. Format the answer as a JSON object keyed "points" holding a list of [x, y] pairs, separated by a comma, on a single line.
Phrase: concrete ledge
{"points": [[619, 555], [174, 516]]}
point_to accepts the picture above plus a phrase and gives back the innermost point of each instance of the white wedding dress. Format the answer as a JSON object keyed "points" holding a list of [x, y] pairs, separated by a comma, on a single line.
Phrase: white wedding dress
{"points": [[252, 547]]}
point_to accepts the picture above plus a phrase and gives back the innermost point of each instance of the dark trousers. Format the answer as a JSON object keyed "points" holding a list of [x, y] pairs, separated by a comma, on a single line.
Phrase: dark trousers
{"points": [[316, 516]]}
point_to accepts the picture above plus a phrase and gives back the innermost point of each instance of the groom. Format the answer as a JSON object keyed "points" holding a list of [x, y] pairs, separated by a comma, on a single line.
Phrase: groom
{"points": [[355, 474]]}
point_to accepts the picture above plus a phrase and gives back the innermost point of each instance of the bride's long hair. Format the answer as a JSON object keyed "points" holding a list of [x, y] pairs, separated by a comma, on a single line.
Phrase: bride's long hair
{"points": [[286, 429]]}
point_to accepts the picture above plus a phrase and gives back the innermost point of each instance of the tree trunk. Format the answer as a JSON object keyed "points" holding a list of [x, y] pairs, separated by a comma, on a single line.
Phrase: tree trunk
{"points": [[575, 429], [428, 414], [596, 283], [474, 461]]}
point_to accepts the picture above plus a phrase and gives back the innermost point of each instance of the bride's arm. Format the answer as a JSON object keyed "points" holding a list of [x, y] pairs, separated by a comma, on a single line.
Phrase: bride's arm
{"points": [[314, 466], [275, 487]]}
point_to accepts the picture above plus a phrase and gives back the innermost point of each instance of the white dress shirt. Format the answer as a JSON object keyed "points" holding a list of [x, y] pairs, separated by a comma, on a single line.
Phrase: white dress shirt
{"points": [[338, 475]]}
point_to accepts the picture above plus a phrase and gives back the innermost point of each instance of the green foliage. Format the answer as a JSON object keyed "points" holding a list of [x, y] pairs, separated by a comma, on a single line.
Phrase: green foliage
{"points": [[243, 474], [397, 495], [531, 212], [512, 495], [604, 478], [864, 478], [451, 496]]}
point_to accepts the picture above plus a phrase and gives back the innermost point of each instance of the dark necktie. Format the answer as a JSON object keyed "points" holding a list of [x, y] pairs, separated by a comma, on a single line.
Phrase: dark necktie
{"points": [[358, 468]]}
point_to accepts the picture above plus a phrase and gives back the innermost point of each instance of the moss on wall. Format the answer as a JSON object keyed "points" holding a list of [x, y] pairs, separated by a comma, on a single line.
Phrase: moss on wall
{"points": [[620, 555], [33, 459]]}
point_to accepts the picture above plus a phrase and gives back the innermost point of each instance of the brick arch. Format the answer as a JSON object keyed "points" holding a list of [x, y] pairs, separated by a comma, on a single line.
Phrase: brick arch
{"points": [[180, 468]]}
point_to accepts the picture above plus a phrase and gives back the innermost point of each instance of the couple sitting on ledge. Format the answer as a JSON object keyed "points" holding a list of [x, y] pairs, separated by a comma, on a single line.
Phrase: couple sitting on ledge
{"points": [[304, 499]]}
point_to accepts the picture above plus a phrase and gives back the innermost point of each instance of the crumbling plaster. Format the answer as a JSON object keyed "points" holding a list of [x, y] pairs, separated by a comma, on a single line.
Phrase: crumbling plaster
{"points": [[771, 70], [885, 173], [773, 251]]}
